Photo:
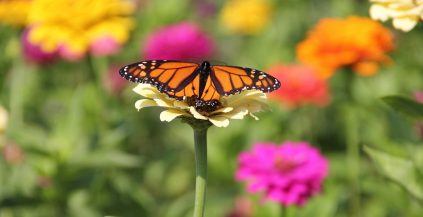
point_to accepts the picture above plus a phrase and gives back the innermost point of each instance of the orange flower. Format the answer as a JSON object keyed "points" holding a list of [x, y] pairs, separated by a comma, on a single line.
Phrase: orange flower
{"points": [[300, 85], [356, 42]]}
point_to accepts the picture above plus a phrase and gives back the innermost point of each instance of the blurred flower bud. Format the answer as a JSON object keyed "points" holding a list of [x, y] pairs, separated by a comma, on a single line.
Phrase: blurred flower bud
{"points": [[242, 208], [12, 154], [113, 82]]}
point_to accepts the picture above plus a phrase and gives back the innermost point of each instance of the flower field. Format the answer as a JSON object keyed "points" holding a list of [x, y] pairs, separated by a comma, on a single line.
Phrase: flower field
{"points": [[322, 115]]}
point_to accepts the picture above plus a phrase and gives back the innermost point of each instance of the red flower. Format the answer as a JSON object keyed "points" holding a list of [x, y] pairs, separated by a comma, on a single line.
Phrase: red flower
{"points": [[300, 85]]}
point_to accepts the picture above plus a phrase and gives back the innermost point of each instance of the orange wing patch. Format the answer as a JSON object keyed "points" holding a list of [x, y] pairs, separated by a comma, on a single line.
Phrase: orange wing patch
{"points": [[210, 92], [177, 65], [231, 79], [179, 76], [192, 89]]}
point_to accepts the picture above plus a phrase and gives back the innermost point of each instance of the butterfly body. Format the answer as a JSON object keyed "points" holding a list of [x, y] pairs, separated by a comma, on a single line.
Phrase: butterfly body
{"points": [[202, 85], [205, 70]]}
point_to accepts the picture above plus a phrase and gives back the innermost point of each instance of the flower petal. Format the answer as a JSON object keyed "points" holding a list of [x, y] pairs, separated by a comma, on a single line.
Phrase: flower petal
{"points": [[255, 117], [170, 114], [379, 12], [223, 110], [163, 103], [405, 24], [142, 103], [238, 114], [145, 90], [219, 121], [180, 104], [196, 114]]}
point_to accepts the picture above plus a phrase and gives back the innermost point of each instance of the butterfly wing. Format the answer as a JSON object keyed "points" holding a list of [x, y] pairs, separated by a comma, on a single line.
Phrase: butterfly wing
{"points": [[175, 78], [229, 80]]}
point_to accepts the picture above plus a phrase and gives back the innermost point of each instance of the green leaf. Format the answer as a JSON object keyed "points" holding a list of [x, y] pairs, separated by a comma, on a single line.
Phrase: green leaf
{"points": [[400, 170], [79, 205], [105, 159], [405, 106]]}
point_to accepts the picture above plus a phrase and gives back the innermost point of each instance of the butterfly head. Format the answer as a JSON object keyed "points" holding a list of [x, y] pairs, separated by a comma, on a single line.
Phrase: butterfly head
{"points": [[205, 66]]}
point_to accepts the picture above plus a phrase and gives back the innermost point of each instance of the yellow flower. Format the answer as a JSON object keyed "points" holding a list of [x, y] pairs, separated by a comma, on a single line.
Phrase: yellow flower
{"points": [[71, 27], [246, 16], [14, 12], [405, 14], [233, 107]]}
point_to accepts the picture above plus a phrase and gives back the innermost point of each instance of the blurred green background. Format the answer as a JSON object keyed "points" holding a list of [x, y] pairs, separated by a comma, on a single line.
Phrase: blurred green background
{"points": [[78, 149]]}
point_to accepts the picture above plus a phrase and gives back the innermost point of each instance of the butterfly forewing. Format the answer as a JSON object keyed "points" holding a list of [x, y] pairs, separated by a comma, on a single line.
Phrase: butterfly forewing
{"points": [[232, 79], [169, 77]]}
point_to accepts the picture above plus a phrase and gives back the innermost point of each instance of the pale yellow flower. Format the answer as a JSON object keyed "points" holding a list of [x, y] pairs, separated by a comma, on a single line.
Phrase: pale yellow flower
{"points": [[233, 107], [405, 14], [72, 27], [246, 16], [14, 12], [3, 123], [3, 119]]}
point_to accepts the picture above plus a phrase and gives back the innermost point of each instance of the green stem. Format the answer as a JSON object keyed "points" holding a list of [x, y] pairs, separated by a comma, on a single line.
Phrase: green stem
{"points": [[283, 211], [287, 211], [353, 156], [200, 140], [352, 143], [97, 67]]}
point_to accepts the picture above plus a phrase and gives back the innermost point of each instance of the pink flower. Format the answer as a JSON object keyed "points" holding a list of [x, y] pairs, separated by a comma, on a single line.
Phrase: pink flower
{"points": [[182, 41], [419, 96], [13, 154], [104, 46], [112, 82], [34, 53], [300, 85], [242, 208], [68, 54], [289, 173], [206, 9]]}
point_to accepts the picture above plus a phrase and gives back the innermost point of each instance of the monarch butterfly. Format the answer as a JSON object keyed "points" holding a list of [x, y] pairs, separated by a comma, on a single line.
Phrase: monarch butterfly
{"points": [[201, 85]]}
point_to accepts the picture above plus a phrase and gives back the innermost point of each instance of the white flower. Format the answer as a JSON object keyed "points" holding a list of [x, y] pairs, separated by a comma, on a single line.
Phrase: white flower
{"points": [[233, 107], [405, 14], [3, 119]]}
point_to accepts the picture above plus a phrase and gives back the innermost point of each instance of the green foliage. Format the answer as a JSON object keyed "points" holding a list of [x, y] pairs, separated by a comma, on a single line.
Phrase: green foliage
{"points": [[406, 106], [401, 170]]}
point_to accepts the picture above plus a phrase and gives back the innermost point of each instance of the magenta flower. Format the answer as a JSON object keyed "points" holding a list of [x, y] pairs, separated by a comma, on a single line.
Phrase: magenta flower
{"points": [[34, 53], [289, 173], [183, 41]]}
